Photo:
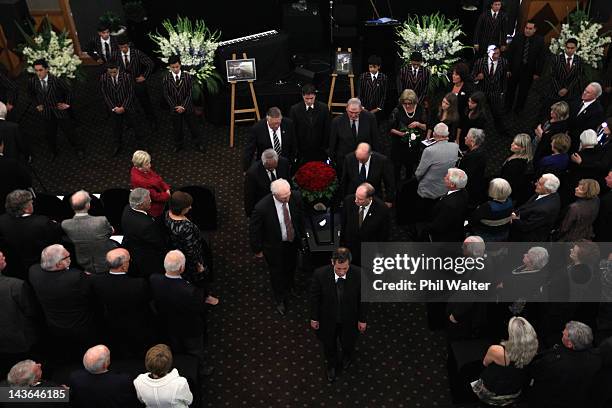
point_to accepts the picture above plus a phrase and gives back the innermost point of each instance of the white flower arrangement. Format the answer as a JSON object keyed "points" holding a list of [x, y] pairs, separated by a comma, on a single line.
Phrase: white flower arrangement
{"points": [[57, 50], [436, 38], [590, 43], [195, 45]]}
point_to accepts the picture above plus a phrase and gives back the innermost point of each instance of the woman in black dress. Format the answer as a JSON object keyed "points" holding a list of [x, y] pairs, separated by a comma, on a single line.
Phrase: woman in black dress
{"points": [[448, 113], [462, 87], [408, 125], [559, 113], [518, 169], [477, 116], [187, 237]]}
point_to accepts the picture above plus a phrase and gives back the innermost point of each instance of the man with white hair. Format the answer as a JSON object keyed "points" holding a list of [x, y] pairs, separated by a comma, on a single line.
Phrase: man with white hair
{"points": [[275, 232], [90, 234], [272, 132], [449, 213], [355, 126], [432, 169], [96, 385], [588, 113], [534, 220], [182, 310], [474, 163], [588, 162], [65, 296], [259, 176]]}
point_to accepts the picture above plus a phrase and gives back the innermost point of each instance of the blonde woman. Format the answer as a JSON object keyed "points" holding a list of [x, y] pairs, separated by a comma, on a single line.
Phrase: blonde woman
{"points": [[517, 169], [142, 175]]}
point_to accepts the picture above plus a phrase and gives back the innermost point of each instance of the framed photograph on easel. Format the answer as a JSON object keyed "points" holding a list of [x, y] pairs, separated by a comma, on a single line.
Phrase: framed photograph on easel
{"points": [[343, 63], [240, 70]]}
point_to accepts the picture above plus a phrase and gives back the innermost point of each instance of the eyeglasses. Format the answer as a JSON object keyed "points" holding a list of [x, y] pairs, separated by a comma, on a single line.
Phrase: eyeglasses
{"points": [[66, 257]]}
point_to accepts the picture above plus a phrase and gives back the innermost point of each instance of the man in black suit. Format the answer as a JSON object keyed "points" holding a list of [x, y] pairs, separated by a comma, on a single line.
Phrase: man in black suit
{"points": [[365, 218], [96, 386], [490, 76], [273, 132], [474, 163], [13, 174], [585, 114], [450, 211], [65, 296], [534, 220], [15, 144], [491, 28], [8, 92], [603, 224], [525, 62], [139, 66], [142, 235], [182, 310], [414, 76], [103, 47], [24, 233], [372, 87], [53, 101], [336, 310], [567, 74], [177, 88], [125, 302], [259, 176], [118, 92], [311, 124], [275, 232], [363, 166], [349, 129]]}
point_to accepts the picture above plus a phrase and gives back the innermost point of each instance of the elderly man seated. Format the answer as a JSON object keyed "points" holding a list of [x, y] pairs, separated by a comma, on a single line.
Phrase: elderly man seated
{"points": [[534, 220]]}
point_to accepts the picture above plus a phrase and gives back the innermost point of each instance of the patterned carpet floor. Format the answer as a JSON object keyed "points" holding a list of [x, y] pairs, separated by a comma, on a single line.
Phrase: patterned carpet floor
{"points": [[261, 358]]}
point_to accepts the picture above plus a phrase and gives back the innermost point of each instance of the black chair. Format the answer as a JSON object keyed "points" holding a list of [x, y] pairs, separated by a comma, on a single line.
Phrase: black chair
{"points": [[464, 366], [96, 209], [204, 208], [52, 207], [114, 201]]}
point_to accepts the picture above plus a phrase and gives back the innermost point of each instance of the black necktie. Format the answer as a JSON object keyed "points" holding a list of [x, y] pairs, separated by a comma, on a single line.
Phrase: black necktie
{"points": [[277, 144], [354, 129], [43, 84], [494, 15], [361, 212], [362, 173], [107, 50], [526, 51], [568, 64], [125, 60], [491, 69], [272, 175], [114, 80], [340, 295]]}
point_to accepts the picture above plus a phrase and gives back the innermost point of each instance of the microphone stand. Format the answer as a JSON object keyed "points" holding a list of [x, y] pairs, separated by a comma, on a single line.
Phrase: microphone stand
{"points": [[331, 22]]}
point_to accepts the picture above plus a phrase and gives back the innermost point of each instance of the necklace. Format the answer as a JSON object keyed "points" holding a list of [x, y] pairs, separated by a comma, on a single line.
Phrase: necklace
{"points": [[410, 116]]}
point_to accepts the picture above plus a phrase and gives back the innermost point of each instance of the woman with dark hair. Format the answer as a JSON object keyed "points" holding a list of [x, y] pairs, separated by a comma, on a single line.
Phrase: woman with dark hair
{"points": [[462, 86], [476, 116], [448, 113], [187, 237], [558, 122]]}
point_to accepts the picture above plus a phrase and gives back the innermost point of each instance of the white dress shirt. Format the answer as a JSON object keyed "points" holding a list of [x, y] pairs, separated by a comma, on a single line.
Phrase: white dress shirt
{"points": [[366, 208], [367, 166], [281, 217], [571, 61], [176, 77], [102, 42], [494, 65], [336, 277], [585, 105]]}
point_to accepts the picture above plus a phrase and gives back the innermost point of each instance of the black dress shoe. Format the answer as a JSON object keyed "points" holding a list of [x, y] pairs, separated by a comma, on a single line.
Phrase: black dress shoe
{"points": [[331, 374], [281, 309]]}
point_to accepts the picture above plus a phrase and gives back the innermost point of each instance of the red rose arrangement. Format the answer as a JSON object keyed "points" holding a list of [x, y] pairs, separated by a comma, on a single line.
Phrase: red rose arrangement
{"points": [[316, 180]]}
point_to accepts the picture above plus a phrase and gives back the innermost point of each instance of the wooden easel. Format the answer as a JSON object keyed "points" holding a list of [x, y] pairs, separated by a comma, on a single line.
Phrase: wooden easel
{"points": [[234, 111], [330, 102]]}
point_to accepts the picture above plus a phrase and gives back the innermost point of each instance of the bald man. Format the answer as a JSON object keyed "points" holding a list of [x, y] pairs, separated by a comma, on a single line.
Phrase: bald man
{"points": [[90, 234], [125, 301], [363, 165], [275, 231], [96, 386]]}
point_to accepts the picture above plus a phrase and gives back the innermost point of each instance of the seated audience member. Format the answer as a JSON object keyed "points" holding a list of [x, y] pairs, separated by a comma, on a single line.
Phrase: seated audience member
{"points": [[526, 281], [182, 310], [586, 163], [558, 162], [187, 237], [162, 386], [505, 373], [449, 213], [143, 176], [20, 178], [259, 176], [474, 163], [65, 296], [533, 221], [562, 376], [559, 112], [125, 302], [18, 306], [581, 214], [96, 386], [365, 166], [25, 233], [603, 224], [90, 235], [518, 169], [143, 236], [491, 220]]}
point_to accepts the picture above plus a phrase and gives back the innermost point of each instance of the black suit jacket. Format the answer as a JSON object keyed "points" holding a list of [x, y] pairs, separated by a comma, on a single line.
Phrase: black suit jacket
{"points": [[13, 176], [474, 163], [494, 86], [145, 240], [590, 118], [490, 30], [341, 140], [139, 64], [178, 93], [419, 83], [535, 55], [603, 224], [258, 140], [257, 182], [373, 94], [536, 219], [562, 78], [324, 302], [58, 91], [380, 171], [448, 217], [374, 228], [264, 228], [107, 390], [120, 95], [14, 143], [8, 90], [180, 305], [94, 49], [311, 131], [26, 237]]}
